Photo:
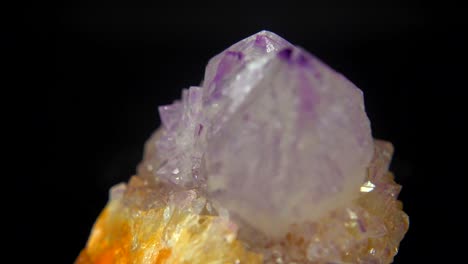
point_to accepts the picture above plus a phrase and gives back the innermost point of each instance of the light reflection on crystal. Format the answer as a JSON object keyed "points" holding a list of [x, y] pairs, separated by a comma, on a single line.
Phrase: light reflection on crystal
{"points": [[368, 186]]}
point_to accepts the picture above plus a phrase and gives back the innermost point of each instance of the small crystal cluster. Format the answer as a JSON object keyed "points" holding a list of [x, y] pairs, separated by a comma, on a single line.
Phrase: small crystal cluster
{"points": [[152, 222], [271, 160]]}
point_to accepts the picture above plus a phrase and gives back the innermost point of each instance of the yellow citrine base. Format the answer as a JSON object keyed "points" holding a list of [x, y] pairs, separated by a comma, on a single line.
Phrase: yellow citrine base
{"points": [[164, 235]]}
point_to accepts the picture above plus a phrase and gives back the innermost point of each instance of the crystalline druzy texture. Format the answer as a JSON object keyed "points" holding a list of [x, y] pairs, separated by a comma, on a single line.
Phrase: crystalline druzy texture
{"points": [[148, 221], [273, 134], [270, 161]]}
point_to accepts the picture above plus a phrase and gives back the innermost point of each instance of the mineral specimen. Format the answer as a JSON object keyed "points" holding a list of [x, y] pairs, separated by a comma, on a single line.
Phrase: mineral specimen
{"points": [[271, 160]]}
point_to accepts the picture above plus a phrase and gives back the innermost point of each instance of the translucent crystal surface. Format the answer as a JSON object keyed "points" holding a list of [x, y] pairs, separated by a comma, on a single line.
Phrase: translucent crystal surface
{"points": [[271, 160], [273, 134]]}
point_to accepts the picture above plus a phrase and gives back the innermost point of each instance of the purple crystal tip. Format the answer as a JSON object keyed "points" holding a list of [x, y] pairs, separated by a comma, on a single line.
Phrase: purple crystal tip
{"points": [[271, 129]]}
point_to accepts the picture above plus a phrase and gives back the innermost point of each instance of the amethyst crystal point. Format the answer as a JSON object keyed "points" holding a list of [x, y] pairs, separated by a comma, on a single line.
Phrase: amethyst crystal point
{"points": [[274, 135]]}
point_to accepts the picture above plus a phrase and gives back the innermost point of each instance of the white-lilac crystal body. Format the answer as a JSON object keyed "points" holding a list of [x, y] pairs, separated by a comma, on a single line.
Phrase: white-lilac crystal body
{"points": [[274, 135]]}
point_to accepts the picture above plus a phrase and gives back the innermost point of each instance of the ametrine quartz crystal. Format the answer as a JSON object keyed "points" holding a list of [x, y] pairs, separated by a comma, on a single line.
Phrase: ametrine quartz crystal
{"points": [[270, 160]]}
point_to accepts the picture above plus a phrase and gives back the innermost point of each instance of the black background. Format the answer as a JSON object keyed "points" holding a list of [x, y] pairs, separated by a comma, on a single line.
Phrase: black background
{"points": [[89, 79]]}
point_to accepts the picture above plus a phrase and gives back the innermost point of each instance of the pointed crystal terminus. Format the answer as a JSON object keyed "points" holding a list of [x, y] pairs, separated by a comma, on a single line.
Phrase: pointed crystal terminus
{"points": [[270, 160], [272, 128]]}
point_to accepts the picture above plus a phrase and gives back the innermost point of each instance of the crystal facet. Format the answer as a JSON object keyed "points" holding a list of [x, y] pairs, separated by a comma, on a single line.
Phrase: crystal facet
{"points": [[271, 160]]}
